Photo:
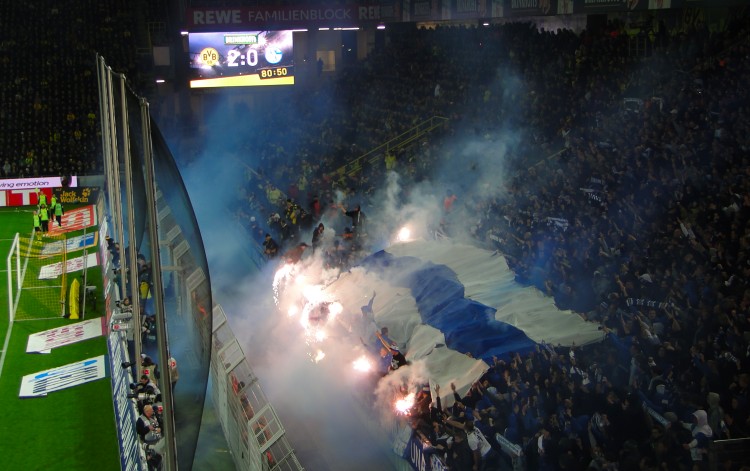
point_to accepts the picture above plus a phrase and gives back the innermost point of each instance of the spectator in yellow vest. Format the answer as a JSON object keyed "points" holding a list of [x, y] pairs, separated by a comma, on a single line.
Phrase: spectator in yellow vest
{"points": [[390, 161], [37, 223], [44, 218], [58, 213]]}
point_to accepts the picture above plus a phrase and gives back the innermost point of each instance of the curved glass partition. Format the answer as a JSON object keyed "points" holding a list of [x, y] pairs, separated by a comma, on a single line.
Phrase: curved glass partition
{"points": [[161, 270]]}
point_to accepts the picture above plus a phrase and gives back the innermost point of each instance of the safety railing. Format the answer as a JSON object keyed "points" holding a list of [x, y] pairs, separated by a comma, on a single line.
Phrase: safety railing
{"points": [[402, 140], [723, 451], [254, 433]]}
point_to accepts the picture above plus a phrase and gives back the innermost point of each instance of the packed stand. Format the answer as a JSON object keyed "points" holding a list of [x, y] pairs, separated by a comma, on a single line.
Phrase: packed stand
{"points": [[49, 125], [640, 224]]}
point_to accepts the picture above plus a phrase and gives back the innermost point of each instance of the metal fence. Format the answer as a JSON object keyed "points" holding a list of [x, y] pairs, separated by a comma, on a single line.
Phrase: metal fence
{"points": [[254, 433]]}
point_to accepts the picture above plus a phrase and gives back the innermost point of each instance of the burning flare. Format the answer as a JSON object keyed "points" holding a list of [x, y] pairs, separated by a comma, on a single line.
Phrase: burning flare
{"points": [[404, 234], [404, 404], [362, 364], [319, 356], [280, 276]]}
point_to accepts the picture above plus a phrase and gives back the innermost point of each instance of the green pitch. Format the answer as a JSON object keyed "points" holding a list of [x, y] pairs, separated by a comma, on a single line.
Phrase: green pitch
{"points": [[71, 429]]}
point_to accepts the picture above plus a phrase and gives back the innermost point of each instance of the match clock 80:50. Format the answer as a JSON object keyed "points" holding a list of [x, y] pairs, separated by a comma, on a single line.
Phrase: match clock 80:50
{"points": [[275, 72]]}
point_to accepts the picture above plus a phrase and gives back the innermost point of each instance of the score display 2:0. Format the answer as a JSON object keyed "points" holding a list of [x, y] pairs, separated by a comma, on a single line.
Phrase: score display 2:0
{"points": [[251, 58], [280, 72]]}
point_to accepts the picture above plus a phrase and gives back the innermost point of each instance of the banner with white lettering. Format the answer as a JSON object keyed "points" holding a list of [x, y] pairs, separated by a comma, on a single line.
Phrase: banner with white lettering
{"points": [[124, 409], [274, 17], [659, 4], [390, 11], [52, 271], [530, 7], [44, 342], [424, 10], [604, 6], [217, 19], [419, 459], [468, 9], [267, 17], [564, 7], [73, 374]]}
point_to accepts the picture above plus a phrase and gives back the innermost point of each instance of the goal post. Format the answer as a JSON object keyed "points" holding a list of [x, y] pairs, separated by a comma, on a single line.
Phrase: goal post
{"points": [[41, 278], [13, 265], [63, 273]]}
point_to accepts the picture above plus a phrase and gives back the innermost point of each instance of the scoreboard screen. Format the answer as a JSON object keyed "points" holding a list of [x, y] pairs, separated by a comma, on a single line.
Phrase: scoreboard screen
{"points": [[242, 59]]}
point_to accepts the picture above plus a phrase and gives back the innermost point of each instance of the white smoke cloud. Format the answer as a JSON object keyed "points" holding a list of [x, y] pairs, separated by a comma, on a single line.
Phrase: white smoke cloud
{"points": [[317, 399]]}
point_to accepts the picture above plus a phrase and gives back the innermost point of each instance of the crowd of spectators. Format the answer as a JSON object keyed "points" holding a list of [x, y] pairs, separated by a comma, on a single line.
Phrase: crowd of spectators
{"points": [[640, 223], [49, 122]]}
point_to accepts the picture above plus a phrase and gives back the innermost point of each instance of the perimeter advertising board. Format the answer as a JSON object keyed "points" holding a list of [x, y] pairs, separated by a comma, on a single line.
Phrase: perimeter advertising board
{"points": [[23, 191]]}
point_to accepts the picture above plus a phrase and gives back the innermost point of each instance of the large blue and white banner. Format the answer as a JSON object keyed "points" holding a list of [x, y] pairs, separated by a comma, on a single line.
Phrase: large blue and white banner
{"points": [[454, 307]]}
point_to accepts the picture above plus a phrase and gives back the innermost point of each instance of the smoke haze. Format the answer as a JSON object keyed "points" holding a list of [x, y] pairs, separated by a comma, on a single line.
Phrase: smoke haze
{"points": [[325, 406]]}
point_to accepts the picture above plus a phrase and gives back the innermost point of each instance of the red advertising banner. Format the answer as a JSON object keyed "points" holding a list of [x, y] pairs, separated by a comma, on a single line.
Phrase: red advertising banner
{"points": [[22, 197], [23, 191], [75, 220]]}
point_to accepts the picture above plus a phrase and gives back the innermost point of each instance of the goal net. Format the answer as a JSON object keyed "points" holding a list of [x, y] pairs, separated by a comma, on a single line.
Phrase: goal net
{"points": [[37, 277]]}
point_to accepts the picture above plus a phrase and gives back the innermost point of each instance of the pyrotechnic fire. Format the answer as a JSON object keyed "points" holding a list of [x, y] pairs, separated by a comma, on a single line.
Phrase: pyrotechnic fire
{"points": [[313, 293], [362, 364], [319, 356], [280, 275], [404, 234], [306, 300], [404, 404], [334, 309]]}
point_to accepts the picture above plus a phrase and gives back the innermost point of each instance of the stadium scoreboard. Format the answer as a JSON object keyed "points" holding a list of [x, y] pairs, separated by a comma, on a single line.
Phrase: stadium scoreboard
{"points": [[241, 59]]}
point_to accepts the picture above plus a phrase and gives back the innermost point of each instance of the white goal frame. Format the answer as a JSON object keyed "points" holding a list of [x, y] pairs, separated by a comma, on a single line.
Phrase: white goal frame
{"points": [[12, 300]]}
